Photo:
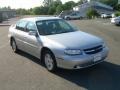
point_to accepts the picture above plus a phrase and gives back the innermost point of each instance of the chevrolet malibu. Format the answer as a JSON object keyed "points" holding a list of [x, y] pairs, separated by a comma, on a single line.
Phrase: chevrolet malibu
{"points": [[57, 43]]}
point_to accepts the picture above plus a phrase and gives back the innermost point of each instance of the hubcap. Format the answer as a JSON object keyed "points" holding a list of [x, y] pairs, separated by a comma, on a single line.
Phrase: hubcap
{"points": [[13, 46], [48, 62]]}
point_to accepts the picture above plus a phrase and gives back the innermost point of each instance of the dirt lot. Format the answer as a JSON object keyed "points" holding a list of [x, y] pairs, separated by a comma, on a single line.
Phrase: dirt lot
{"points": [[24, 72]]}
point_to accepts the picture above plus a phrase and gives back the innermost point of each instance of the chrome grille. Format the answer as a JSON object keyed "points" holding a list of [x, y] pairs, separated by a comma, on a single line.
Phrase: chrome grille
{"points": [[93, 50]]}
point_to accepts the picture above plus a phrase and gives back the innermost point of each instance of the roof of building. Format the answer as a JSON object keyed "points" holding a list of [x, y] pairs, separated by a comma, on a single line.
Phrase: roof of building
{"points": [[95, 3], [7, 10]]}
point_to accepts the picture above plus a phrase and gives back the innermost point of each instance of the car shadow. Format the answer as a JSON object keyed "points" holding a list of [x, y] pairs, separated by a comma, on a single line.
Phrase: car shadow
{"points": [[104, 76]]}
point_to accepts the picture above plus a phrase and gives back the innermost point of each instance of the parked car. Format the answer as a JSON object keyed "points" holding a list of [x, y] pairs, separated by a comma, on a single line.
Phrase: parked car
{"points": [[106, 16], [64, 13], [72, 16], [115, 20], [57, 43]]}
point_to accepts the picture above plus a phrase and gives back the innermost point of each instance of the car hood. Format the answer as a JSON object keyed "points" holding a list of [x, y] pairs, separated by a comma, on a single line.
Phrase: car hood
{"points": [[74, 40]]}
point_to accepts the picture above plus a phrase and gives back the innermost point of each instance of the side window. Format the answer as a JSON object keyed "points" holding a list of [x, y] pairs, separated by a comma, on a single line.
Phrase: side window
{"points": [[74, 14], [31, 27], [21, 25], [64, 26]]}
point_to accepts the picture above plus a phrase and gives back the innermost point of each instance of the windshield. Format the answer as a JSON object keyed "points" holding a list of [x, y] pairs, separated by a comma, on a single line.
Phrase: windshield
{"points": [[50, 27]]}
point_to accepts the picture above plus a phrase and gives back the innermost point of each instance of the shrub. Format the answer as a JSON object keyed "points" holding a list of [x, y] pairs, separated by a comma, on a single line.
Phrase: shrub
{"points": [[117, 13], [92, 13]]}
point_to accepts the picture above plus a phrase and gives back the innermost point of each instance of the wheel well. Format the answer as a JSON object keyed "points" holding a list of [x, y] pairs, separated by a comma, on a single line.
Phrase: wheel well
{"points": [[43, 50]]}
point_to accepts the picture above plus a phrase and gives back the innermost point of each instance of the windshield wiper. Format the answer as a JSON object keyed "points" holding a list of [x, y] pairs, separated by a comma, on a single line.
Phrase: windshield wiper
{"points": [[67, 31]]}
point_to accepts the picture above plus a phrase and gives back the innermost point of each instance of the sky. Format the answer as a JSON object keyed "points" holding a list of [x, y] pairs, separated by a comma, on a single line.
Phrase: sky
{"points": [[24, 3]]}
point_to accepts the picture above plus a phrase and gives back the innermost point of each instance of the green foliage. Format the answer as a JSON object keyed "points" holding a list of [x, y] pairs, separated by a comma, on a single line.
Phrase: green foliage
{"points": [[36, 10], [91, 13], [79, 2], [59, 9], [22, 12], [47, 3], [52, 10], [69, 5], [117, 13], [56, 3], [40, 10], [117, 7]]}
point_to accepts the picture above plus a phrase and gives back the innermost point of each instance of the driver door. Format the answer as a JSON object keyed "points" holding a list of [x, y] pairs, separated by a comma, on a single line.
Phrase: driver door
{"points": [[33, 42]]}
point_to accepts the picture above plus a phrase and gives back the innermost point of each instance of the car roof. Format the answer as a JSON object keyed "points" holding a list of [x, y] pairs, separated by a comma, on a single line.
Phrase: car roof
{"points": [[35, 19]]}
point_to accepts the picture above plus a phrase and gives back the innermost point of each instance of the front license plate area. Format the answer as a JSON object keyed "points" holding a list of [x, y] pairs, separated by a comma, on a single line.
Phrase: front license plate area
{"points": [[97, 57]]}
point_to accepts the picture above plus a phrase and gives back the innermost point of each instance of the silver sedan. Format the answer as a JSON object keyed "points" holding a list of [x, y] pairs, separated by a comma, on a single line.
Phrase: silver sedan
{"points": [[56, 43], [115, 20]]}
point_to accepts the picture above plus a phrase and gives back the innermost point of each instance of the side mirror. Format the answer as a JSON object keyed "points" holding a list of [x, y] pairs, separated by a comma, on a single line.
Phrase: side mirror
{"points": [[33, 33]]}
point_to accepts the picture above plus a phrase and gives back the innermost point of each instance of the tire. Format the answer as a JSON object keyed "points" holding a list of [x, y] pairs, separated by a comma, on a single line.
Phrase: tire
{"points": [[14, 46], [68, 18], [119, 23], [49, 61]]}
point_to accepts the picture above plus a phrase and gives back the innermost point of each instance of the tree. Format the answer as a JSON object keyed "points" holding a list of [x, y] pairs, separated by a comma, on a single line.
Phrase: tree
{"points": [[69, 5], [52, 10], [22, 12], [40, 10], [59, 9], [56, 3], [91, 13], [53, 7], [117, 13], [79, 2], [47, 3], [36, 10], [117, 7]]}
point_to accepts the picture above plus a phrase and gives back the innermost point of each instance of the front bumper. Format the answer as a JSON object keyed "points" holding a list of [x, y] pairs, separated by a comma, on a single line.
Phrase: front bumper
{"points": [[115, 22], [81, 61]]}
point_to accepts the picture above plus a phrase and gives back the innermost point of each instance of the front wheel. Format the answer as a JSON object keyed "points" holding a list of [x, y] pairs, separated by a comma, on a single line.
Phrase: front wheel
{"points": [[50, 61], [14, 46]]}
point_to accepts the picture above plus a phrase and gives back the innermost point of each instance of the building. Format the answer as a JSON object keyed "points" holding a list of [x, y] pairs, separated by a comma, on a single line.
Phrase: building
{"points": [[95, 4], [7, 13]]}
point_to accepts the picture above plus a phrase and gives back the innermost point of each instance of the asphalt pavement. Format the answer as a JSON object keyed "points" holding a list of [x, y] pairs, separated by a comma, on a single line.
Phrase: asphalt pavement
{"points": [[22, 71]]}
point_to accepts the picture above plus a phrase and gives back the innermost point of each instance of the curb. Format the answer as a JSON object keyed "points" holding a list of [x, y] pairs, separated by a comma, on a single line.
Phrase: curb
{"points": [[5, 25]]}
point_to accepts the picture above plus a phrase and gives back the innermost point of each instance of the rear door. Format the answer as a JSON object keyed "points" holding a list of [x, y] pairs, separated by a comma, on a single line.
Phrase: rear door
{"points": [[20, 34], [74, 16]]}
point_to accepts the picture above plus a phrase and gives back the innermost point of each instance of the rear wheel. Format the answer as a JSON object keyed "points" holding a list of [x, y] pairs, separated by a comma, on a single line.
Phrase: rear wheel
{"points": [[119, 23], [68, 18], [50, 61], [14, 46]]}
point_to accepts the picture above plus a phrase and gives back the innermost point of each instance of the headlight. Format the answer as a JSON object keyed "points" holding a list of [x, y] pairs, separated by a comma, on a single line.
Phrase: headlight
{"points": [[73, 52]]}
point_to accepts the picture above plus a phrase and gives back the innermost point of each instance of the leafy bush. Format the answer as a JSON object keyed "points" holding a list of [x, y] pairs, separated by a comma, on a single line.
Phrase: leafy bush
{"points": [[59, 9], [40, 10], [91, 13], [117, 14]]}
